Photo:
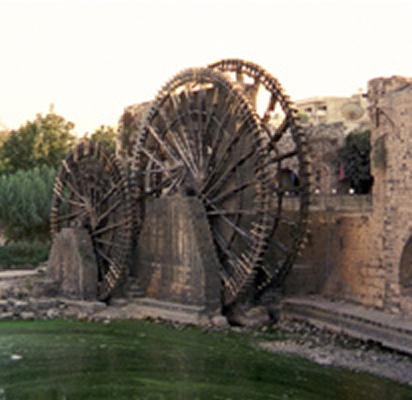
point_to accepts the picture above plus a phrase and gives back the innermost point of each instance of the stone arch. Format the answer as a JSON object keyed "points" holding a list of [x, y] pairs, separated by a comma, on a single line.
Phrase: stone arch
{"points": [[405, 268]]}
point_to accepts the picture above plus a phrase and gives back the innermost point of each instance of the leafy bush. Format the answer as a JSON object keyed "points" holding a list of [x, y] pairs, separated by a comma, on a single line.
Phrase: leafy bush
{"points": [[23, 253], [25, 203], [355, 158]]}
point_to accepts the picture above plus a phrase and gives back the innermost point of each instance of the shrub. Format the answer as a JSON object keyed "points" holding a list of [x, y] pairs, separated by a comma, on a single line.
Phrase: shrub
{"points": [[355, 158], [23, 253], [25, 202]]}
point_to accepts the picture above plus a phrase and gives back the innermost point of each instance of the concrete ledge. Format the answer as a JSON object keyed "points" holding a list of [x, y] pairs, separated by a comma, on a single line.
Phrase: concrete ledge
{"points": [[10, 275], [169, 311], [158, 309], [342, 203], [391, 331]]}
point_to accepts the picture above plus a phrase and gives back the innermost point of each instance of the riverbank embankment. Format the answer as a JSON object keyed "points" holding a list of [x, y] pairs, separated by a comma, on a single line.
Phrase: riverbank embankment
{"points": [[324, 332]]}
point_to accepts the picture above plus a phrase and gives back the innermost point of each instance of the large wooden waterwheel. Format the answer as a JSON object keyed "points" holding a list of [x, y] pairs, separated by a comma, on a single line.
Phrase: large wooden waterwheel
{"points": [[202, 138], [91, 191], [287, 158]]}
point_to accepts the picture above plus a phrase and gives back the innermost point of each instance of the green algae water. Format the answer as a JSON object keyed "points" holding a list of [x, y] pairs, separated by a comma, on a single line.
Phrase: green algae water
{"points": [[135, 360]]}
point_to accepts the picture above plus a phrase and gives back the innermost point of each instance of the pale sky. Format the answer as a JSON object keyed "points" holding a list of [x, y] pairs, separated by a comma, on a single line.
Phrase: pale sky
{"points": [[93, 58]]}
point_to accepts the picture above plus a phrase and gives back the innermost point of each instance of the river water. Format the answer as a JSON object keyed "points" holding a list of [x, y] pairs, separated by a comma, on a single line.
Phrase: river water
{"points": [[135, 360]]}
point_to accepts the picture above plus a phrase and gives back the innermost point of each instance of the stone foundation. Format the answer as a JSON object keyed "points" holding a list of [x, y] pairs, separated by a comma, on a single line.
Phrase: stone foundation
{"points": [[176, 257], [72, 264]]}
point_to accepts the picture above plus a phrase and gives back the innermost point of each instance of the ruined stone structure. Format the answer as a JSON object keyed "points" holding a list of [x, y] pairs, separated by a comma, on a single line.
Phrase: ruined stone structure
{"points": [[365, 254], [323, 142], [326, 122]]}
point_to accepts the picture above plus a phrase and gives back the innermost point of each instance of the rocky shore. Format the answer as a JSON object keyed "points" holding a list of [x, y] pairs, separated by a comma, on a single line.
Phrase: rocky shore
{"points": [[328, 348], [45, 308], [25, 299]]}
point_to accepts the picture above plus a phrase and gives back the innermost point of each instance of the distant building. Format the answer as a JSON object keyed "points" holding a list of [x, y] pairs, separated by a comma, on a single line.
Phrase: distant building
{"points": [[352, 111], [326, 122]]}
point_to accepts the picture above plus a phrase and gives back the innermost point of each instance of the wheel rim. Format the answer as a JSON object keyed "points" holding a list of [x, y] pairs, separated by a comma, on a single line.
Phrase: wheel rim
{"points": [[287, 152], [91, 191], [202, 138]]}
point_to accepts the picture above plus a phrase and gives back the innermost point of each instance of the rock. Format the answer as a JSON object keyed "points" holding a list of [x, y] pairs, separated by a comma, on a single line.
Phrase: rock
{"points": [[6, 316], [45, 304], [27, 315], [248, 317], [85, 307], [3, 306], [19, 305], [219, 321], [53, 313], [119, 302], [323, 359]]}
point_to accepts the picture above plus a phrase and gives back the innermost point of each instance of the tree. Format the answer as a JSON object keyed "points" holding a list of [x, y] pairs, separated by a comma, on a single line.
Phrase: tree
{"points": [[44, 141], [354, 157], [4, 133], [106, 135]]}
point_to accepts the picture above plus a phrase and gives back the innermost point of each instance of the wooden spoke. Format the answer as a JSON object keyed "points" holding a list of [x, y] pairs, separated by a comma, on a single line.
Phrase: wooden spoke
{"points": [[165, 146], [115, 189], [239, 230], [222, 177], [107, 228], [233, 191], [70, 201], [110, 243], [212, 213], [69, 217], [279, 131], [281, 157], [110, 210], [280, 246], [270, 107]]}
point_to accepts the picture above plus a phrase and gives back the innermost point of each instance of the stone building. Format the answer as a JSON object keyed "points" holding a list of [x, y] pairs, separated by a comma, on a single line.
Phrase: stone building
{"points": [[323, 141], [326, 122], [364, 254], [352, 111]]}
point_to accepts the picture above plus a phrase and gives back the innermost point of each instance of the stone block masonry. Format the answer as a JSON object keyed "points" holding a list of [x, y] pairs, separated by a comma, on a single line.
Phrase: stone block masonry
{"points": [[366, 257]]}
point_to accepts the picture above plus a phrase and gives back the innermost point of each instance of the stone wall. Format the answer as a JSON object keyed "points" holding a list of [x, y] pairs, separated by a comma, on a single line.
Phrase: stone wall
{"points": [[340, 252], [391, 115], [366, 257]]}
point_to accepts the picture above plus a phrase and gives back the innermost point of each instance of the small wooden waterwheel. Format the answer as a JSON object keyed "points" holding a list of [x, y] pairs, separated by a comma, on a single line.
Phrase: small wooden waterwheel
{"points": [[91, 191]]}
